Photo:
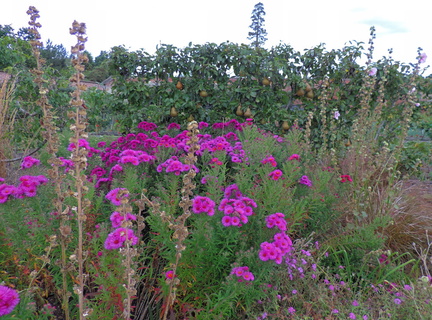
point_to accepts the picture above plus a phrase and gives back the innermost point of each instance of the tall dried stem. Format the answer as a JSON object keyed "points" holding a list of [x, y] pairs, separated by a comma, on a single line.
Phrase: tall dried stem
{"points": [[79, 154], [50, 135]]}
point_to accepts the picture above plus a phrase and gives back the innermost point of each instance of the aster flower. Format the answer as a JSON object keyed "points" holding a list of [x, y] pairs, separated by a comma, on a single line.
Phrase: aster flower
{"points": [[9, 298], [305, 180], [29, 162]]}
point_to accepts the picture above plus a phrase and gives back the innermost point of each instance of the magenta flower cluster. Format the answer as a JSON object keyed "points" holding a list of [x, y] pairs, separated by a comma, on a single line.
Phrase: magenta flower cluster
{"points": [[276, 220], [236, 207], [202, 204], [135, 157], [115, 197], [29, 162], [27, 188], [9, 299], [282, 243], [275, 174], [223, 143], [305, 180], [146, 126], [119, 236], [174, 165], [243, 273], [269, 159], [117, 218]]}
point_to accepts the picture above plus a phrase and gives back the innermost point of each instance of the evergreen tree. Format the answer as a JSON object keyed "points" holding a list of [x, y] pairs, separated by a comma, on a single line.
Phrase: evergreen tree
{"points": [[258, 33]]}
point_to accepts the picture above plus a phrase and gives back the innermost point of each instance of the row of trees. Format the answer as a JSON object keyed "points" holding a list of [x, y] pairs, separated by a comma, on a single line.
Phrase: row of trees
{"points": [[211, 82]]}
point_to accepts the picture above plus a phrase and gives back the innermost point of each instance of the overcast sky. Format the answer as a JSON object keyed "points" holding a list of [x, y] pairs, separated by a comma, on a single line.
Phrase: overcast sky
{"points": [[302, 24]]}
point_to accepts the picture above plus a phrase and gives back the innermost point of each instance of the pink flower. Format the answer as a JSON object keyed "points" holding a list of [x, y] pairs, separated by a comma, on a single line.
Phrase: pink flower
{"points": [[275, 175], [202, 125], [248, 276], [203, 204], [29, 162], [173, 125], [169, 274], [9, 298], [117, 218], [114, 197], [305, 180], [226, 221], [345, 178], [336, 115], [243, 272], [269, 159], [372, 71], [129, 159], [117, 238], [423, 58], [294, 157]]}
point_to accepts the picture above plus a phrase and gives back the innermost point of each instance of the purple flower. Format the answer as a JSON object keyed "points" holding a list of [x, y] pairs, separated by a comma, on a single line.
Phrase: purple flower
{"points": [[423, 58], [352, 315], [9, 298], [373, 71], [397, 301], [291, 310], [117, 238], [29, 162], [336, 115], [305, 180]]}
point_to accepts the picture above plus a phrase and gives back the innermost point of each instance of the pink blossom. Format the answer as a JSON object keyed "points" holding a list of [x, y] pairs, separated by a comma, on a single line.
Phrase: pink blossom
{"points": [[203, 204], [372, 71], [336, 114], [9, 298], [269, 159], [129, 159], [423, 58], [345, 178], [275, 175], [173, 125], [117, 218], [169, 274], [226, 221], [117, 238], [114, 197], [29, 162], [305, 180], [294, 157]]}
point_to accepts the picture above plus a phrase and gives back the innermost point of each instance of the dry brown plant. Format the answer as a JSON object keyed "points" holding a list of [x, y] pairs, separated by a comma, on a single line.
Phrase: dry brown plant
{"points": [[51, 136], [79, 156], [6, 123]]}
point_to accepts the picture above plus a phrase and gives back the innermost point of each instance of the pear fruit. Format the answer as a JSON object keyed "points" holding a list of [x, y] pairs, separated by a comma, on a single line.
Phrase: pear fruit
{"points": [[173, 112], [179, 85], [248, 113], [265, 82], [300, 92], [203, 94], [239, 111]]}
